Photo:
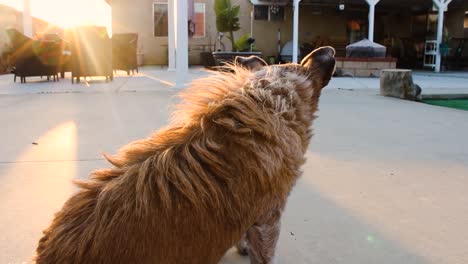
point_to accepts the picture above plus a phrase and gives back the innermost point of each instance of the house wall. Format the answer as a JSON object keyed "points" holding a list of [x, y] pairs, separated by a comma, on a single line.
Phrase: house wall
{"points": [[137, 16], [128, 16], [9, 18], [454, 18], [329, 24], [395, 24], [12, 18]]}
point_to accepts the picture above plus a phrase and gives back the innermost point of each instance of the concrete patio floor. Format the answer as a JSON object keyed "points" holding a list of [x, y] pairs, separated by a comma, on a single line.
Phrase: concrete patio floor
{"points": [[155, 78], [385, 182]]}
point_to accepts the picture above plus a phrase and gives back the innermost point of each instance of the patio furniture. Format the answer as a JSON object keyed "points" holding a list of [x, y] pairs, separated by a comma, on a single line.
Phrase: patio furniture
{"points": [[430, 53], [64, 63], [124, 52], [91, 53], [33, 57], [286, 54], [458, 57]]}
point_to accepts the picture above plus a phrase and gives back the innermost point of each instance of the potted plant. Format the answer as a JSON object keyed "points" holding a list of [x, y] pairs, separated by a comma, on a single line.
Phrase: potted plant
{"points": [[227, 21], [206, 56]]}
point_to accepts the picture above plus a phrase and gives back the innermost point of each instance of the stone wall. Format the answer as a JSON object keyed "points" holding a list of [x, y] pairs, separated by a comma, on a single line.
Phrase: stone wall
{"points": [[364, 67]]}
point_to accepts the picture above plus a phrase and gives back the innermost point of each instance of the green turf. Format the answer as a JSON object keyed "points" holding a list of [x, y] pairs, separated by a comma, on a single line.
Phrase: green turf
{"points": [[452, 103]]}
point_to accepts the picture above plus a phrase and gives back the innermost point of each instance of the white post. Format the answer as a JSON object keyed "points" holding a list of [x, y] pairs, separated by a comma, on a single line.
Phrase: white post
{"points": [[171, 35], [441, 6], [27, 19], [181, 43], [251, 21], [440, 32], [371, 22], [372, 4], [295, 30]]}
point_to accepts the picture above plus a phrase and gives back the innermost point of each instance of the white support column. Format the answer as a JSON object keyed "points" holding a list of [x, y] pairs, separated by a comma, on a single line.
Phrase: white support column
{"points": [[181, 43], [441, 6], [171, 35], [295, 30], [372, 4], [27, 19], [440, 32]]}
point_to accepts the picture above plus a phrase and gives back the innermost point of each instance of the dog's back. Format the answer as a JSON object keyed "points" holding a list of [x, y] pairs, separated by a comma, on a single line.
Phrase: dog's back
{"points": [[190, 191]]}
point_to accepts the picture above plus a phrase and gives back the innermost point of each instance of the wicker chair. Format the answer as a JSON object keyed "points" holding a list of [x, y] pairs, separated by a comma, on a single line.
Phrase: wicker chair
{"points": [[33, 57], [124, 52], [91, 51]]}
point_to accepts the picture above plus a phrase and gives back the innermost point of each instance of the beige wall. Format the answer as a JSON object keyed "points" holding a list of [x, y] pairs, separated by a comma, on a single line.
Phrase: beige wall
{"points": [[137, 16], [328, 24], [9, 18], [454, 21]]}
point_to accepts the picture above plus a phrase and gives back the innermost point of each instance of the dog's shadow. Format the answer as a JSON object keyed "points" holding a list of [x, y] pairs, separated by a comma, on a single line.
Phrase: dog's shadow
{"points": [[315, 229]]}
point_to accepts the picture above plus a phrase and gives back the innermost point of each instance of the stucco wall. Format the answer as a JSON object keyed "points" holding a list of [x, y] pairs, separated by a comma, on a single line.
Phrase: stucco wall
{"points": [[329, 23], [137, 17], [454, 21], [9, 18]]}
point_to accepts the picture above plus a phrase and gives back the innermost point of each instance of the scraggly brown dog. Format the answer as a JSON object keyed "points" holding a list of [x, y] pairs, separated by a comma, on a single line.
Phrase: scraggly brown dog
{"points": [[222, 169]]}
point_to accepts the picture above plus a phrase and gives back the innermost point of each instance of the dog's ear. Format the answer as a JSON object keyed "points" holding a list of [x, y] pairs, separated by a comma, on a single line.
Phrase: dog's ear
{"points": [[322, 62], [252, 63]]}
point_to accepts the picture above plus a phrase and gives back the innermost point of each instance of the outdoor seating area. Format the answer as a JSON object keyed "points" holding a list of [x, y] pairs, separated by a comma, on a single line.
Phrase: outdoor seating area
{"points": [[457, 55], [91, 51], [34, 57], [83, 51], [124, 50]]}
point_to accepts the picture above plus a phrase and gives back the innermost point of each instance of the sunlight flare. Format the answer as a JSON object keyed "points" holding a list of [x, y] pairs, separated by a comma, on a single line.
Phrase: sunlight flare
{"points": [[69, 13]]}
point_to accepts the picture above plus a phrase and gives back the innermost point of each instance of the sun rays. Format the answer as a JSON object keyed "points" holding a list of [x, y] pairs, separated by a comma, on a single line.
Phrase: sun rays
{"points": [[69, 13]]}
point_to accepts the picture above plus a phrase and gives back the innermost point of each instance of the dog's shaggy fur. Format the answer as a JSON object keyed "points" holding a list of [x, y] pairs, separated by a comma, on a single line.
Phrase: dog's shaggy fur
{"points": [[223, 168]]}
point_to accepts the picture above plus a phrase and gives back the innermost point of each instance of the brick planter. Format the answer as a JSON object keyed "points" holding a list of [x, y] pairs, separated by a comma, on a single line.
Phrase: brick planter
{"points": [[364, 67]]}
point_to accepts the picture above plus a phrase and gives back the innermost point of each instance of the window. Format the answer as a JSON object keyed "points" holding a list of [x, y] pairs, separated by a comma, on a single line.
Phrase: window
{"points": [[160, 19], [199, 20], [261, 12], [270, 13], [276, 13]]}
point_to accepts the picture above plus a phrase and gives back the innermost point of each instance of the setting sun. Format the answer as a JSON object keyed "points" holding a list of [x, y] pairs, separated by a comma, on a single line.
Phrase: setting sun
{"points": [[68, 13]]}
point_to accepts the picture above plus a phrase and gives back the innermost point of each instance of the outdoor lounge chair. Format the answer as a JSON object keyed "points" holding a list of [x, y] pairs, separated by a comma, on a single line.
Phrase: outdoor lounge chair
{"points": [[64, 64], [91, 51], [457, 58], [124, 52], [33, 57]]}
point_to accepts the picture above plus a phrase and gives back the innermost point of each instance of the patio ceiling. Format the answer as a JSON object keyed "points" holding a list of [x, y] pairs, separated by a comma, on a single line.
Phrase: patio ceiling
{"points": [[413, 4]]}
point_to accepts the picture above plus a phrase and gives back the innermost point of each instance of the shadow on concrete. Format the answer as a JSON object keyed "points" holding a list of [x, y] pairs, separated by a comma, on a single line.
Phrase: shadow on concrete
{"points": [[317, 230]]}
